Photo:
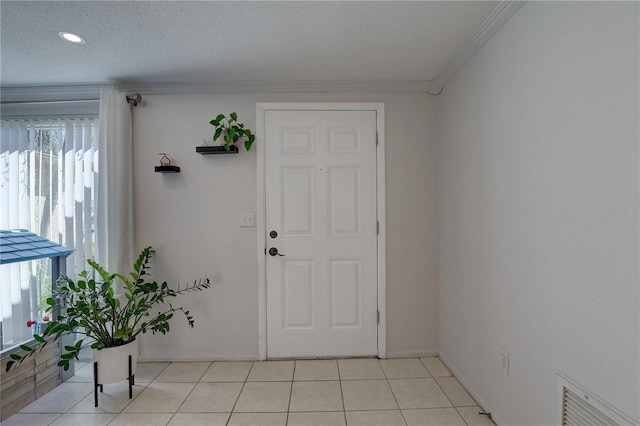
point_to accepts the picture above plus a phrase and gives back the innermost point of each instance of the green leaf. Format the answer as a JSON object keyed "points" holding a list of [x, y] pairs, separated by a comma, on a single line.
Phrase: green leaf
{"points": [[38, 338], [217, 134], [16, 357], [142, 258], [220, 117], [234, 116], [122, 334], [26, 348]]}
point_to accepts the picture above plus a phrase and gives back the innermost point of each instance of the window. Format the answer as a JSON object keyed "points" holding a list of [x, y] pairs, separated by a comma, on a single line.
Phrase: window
{"points": [[47, 186]]}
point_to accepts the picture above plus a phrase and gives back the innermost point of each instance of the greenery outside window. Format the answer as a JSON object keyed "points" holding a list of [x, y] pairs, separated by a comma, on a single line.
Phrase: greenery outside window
{"points": [[48, 177]]}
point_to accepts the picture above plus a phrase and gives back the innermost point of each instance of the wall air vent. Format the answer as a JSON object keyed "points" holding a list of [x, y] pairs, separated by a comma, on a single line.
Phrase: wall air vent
{"points": [[578, 407]]}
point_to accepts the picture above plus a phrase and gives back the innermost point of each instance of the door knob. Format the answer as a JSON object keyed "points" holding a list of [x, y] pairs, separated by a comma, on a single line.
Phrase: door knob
{"points": [[274, 252]]}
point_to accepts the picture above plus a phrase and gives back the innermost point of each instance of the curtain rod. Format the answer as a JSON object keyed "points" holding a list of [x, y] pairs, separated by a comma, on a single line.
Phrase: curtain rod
{"points": [[134, 99]]}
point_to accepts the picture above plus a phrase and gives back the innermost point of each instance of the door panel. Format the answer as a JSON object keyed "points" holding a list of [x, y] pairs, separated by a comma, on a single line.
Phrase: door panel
{"points": [[298, 187], [346, 293], [344, 202], [321, 201], [298, 293]]}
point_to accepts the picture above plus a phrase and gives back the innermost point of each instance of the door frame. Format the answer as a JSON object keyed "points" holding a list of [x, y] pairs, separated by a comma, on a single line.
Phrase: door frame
{"points": [[261, 109]]}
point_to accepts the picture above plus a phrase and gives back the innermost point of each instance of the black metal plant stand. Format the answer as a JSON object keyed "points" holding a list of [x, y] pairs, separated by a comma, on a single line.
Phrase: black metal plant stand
{"points": [[97, 384]]}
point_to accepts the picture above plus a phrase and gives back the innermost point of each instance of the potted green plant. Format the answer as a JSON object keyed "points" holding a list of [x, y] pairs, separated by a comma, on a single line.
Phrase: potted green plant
{"points": [[108, 322], [231, 131]]}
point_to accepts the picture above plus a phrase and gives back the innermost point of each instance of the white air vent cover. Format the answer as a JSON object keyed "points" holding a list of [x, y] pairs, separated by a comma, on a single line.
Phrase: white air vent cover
{"points": [[578, 407]]}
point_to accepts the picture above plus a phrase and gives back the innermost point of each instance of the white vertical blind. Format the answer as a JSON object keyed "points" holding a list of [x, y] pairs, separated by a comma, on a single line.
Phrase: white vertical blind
{"points": [[47, 183]]}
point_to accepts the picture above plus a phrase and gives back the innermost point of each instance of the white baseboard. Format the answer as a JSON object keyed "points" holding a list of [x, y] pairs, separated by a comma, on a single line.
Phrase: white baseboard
{"points": [[149, 358], [321, 355], [412, 354], [486, 408], [198, 358]]}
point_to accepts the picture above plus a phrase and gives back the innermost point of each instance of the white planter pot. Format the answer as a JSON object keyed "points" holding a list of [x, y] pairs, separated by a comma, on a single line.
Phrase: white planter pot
{"points": [[113, 363]]}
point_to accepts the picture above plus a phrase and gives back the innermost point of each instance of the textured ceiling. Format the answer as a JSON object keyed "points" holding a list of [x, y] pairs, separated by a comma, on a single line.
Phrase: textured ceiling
{"points": [[207, 41]]}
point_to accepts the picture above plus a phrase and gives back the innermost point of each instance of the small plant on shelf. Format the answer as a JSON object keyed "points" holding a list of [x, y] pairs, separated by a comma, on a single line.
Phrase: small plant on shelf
{"points": [[232, 131]]}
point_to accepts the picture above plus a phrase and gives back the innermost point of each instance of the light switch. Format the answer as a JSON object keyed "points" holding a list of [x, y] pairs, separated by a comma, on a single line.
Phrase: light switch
{"points": [[248, 219]]}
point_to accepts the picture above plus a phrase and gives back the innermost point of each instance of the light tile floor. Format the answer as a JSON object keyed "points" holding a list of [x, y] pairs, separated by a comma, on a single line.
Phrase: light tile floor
{"points": [[387, 392]]}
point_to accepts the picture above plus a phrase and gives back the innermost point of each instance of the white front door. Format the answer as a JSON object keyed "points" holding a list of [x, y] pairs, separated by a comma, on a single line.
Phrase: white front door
{"points": [[321, 217]]}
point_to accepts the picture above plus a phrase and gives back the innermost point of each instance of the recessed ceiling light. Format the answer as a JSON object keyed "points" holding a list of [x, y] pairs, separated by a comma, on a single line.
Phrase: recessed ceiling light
{"points": [[71, 37]]}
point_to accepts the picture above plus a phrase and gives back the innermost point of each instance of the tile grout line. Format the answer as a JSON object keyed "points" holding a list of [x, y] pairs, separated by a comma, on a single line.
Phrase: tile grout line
{"points": [[52, 422], [461, 416], [190, 392], [81, 399], [295, 363], [152, 380], [344, 406], [240, 393], [449, 399], [427, 368], [394, 394]]}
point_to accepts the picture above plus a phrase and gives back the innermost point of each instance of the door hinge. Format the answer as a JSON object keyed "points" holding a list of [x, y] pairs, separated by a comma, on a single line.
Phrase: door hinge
{"points": [[265, 251], [378, 227], [376, 138], [378, 317]]}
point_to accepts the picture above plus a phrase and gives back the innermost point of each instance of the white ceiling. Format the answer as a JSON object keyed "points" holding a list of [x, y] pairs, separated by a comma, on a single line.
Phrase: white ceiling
{"points": [[210, 41]]}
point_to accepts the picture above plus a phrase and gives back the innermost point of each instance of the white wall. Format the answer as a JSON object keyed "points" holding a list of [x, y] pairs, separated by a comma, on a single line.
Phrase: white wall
{"points": [[538, 191], [192, 221]]}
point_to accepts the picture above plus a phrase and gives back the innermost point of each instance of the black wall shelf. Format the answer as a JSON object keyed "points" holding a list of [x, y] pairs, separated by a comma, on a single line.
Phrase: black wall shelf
{"points": [[167, 169], [216, 150]]}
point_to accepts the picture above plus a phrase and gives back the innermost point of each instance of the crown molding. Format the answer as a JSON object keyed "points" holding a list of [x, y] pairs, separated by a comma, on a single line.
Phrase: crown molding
{"points": [[66, 93], [301, 86], [500, 14]]}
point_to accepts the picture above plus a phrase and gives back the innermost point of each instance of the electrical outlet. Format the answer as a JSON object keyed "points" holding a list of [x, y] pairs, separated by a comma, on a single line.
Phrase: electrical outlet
{"points": [[503, 361]]}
